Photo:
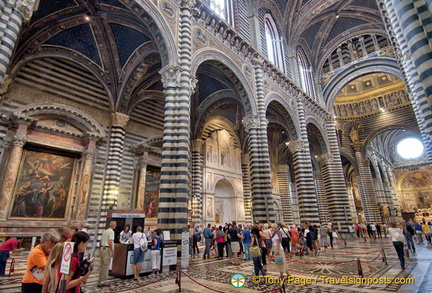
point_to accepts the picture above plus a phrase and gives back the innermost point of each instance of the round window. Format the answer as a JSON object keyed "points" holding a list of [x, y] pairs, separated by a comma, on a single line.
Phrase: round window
{"points": [[410, 148]]}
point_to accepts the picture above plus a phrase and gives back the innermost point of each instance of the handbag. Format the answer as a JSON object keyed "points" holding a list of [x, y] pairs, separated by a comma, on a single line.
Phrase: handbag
{"points": [[143, 243], [278, 260], [255, 250], [334, 234]]}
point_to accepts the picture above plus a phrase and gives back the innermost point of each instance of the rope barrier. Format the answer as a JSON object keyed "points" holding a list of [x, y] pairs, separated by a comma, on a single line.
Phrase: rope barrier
{"points": [[201, 284], [169, 275]]}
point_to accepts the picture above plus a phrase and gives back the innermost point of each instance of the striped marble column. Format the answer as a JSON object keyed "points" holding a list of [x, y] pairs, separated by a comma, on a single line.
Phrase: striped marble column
{"points": [[247, 189], [307, 198], [197, 182], [178, 84], [409, 63], [332, 172], [284, 189], [366, 188], [323, 213], [379, 187], [114, 162], [13, 14], [262, 199], [395, 213]]}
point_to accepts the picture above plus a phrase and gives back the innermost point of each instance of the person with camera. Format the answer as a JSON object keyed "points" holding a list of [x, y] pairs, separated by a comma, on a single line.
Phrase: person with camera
{"points": [[79, 272]]}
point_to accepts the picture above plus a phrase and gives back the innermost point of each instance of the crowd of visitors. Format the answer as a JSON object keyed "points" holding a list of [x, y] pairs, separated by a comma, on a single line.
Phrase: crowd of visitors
{"points": [[262, 243]]}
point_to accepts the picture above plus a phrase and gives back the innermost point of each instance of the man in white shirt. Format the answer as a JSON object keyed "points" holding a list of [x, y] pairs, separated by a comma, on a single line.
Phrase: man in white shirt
{"points": [[80, 228], [106, 253]]}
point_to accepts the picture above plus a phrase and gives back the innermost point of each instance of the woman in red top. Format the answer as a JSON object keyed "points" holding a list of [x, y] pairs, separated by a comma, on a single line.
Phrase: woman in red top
{"points": [[74, 279]]}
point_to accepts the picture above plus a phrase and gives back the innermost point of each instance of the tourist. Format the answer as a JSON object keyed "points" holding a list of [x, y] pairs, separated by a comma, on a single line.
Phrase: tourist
{"points": [[256, 240], [51, 278], [10, 245], [65, 234], [398, 242], [155, 251], [419, 232], [75, 278], [208, 236], [286, 237], [80, 228], [408, 232], [278, 251], [106, 253], [247, 242], [294, 237], [126, 234], [33, 280], [138, 254], [234, 236], [220, 240]]}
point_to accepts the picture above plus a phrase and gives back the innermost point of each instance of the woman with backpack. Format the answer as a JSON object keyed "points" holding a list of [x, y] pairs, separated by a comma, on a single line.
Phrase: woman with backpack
{"points": [[139, 241]]}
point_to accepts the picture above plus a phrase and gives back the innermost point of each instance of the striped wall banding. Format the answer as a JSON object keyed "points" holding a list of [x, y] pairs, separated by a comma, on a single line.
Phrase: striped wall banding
{"points": [[284, 189], [335, 185], [10, 27], [174, 185], [379, 186], [247, 189], [197, 182]]}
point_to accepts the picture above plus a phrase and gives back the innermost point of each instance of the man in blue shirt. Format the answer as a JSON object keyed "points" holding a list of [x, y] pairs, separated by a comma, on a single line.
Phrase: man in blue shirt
{"points": [[208, 236], [247, 242]]}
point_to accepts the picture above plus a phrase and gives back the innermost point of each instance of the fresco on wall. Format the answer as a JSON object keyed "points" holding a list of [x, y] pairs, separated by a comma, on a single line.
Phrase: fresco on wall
{"points": [[151, 198], [416, 191], [42, 186]]}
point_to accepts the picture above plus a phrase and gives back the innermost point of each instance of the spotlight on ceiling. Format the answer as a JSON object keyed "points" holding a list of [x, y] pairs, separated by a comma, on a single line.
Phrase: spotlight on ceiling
{"points": [[337, 15], [87, 18]]}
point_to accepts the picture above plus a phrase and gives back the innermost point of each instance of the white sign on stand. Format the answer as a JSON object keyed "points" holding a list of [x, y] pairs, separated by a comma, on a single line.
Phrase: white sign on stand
{"points": [[169, 256], [66, 257]]}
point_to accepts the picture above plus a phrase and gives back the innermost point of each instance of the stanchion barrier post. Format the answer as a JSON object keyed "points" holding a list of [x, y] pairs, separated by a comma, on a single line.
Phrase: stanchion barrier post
{"points": [[359, 268], [345, 242], [384, 258], [179, 280], [283, 288], [12, 267]]}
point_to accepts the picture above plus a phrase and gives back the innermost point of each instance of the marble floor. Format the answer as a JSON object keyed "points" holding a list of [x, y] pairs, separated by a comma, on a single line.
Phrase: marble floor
{"points": [[333, 270]]}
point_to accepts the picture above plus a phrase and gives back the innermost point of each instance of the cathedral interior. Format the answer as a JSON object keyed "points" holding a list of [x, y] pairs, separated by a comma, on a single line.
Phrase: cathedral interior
{"points": [[214, 110]]}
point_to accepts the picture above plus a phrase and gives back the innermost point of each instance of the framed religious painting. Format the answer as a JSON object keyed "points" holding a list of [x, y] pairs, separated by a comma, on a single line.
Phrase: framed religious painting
{"points": [[151, 198], [43, 186]]}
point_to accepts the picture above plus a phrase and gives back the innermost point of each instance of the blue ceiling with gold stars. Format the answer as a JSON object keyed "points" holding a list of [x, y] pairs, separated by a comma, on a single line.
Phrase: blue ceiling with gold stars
{"points": [[281, 4], [127, 40], [79, 38], [51, 6], [342, 25]]}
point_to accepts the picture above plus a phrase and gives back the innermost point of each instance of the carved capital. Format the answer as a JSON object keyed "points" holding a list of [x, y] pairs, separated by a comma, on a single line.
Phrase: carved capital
{"points": [[189, 4], [258, 61], [25, 7], [254, 121], [196, 145], [296, 145], [325, 159], [89, 154], [193, 83], [119, 119], [170, 76]]}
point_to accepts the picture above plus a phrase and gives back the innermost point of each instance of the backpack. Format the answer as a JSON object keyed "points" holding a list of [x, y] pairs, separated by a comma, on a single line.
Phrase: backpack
{"points": [[313, 235], [143, 243]]}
